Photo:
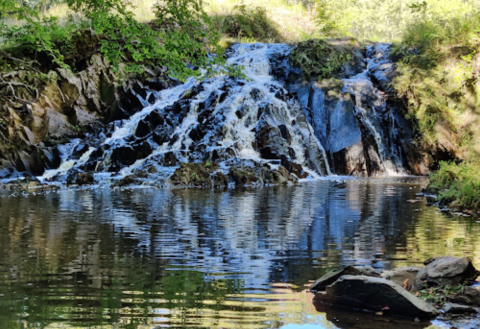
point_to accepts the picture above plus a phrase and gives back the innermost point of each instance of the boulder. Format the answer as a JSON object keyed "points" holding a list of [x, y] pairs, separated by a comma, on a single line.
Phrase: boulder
{"points": [[197, 175], [404, 276], [243, 176], [446, 271], [58, 126], [334, 275], [469, 296], [84, 179], [376, 295]]}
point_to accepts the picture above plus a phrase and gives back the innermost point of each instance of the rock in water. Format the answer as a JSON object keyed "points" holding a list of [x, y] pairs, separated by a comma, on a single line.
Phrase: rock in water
{"points": [[332, 276], [447, 271], [404, 276], [469, 296], [453, 308], [375, 295]]}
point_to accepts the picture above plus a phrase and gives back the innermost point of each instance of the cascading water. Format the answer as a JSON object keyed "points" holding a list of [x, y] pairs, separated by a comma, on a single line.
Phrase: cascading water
{"points": [[263, 120], [355, 119], [251, 122]]}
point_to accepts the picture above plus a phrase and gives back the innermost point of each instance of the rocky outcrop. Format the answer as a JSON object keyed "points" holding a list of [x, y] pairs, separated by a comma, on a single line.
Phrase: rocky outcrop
{"points": [[356, 116], [375, 295], [37, 115], [271, 127]]}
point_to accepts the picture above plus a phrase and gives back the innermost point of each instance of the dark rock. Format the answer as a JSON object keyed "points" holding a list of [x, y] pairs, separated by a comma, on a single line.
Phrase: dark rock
{"points": [[220, 180], [128, 180], [84, 179], [404, 276], [469, 296], [446, 271], [243, 176], [196, 175], [332, 276], [453, 308], [376, 295]]}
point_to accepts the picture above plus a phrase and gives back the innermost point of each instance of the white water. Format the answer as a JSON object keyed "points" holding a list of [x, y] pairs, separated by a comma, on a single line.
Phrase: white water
{"points": [[356, 85], [230, 131]]}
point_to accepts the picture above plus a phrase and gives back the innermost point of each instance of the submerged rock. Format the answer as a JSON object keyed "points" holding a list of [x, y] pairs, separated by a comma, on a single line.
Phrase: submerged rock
{"points": [[375, 295]]}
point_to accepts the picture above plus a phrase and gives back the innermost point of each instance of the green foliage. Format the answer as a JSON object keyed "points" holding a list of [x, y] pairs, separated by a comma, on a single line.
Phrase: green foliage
{"points": [[39, 37], [247, 23], [318, 58], [182, 35], [379, 20], [458, 186], [439, 294]]}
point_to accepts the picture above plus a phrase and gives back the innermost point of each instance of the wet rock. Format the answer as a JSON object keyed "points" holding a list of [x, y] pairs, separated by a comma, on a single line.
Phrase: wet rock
{"points": [[332, 276], [220, 180], [243, 176], [404, 276], [446, 271], [84, 179], [375, 295], [453, 308], [469, 296], [128, 180], [196, 175]]}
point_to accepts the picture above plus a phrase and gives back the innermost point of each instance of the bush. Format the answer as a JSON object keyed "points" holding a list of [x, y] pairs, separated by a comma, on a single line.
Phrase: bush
{"points": [[123, 40], [318, 58], [247, 23], [458, 186]]}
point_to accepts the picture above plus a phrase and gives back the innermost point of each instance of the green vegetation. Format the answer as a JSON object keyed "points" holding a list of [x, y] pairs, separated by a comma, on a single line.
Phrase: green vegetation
{"points": [[248, 24], [320, 59], [458, 186], [182, 33]]}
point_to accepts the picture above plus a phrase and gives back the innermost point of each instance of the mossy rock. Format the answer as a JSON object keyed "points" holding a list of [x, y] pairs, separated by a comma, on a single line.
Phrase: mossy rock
{"points": [[197, 175]]}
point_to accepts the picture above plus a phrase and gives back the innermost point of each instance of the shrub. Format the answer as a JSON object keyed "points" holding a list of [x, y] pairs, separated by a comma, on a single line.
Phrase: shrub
{"points": [[247, 23]]}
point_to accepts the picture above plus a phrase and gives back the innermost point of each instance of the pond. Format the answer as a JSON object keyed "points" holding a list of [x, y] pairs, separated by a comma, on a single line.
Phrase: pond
{"points": [[235, 258]]}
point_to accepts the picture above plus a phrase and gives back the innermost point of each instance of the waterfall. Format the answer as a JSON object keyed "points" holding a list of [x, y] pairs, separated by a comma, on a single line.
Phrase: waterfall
{"points": [[251, 121]]}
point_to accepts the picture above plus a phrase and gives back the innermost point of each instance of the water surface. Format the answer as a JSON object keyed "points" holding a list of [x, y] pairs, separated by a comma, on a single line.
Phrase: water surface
{"points": [[243, 258]]}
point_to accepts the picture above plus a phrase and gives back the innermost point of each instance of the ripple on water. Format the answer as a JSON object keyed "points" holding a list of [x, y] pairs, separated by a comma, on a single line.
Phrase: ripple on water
{"points": [[210, 259]]}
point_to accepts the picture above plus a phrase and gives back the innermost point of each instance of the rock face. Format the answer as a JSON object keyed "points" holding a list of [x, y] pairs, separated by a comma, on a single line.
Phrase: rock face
{"points": [[357, 118], [446, 271], [375, 295], [271, 127]]}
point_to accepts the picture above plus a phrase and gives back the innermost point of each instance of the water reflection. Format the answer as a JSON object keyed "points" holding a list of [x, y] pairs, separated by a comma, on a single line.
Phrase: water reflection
{"points": [[215, 259]]}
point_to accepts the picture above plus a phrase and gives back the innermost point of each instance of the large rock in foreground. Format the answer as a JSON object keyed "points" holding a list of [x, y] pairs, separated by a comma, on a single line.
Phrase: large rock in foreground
{"points": [[444, 271], [375, 295]]}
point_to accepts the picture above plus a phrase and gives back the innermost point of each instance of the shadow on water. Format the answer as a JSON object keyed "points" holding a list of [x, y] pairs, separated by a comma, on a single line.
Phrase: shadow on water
{"points": [[213, 259]]}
